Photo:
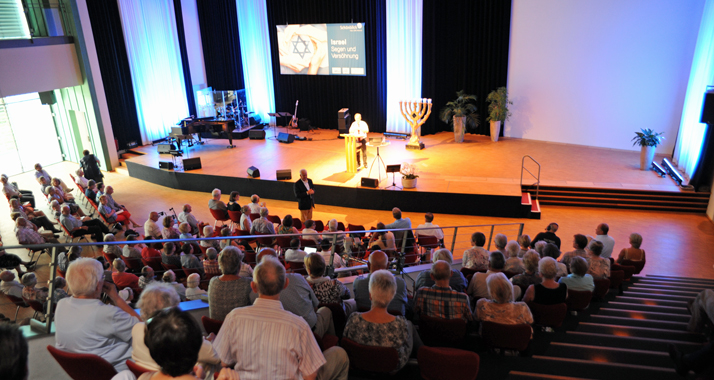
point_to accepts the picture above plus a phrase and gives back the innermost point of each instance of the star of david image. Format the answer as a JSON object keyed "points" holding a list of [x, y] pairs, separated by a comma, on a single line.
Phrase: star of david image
{"points": [[305, 49]]}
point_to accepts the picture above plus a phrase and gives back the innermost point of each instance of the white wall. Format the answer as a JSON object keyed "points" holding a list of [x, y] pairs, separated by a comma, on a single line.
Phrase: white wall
{"points": [[192, 31], [592, 72], [38, 68]]}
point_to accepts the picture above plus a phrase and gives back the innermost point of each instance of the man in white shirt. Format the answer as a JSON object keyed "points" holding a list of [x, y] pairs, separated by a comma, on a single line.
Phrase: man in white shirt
{"points": [[255, 204], [360, 128], [435, 231], [151, 229], [608, 243], [186, 217], [295, 254], [39, 173]]}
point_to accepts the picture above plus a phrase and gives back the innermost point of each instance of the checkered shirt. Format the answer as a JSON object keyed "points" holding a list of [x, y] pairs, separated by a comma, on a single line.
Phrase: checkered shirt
{"points": [[442, 303]]}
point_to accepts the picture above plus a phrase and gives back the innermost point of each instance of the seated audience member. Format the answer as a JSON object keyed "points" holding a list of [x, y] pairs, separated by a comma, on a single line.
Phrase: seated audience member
{"points": [[169, 277], [151, 229], [109, 214], [10, 286], [326, 289], [66, 197], [112, 251], [210, 263], [151, 252], [185, 230], [100, 190], [156, 302], [698, 361], [551, 250], [702, 310], [169, 231], [54, 197], [608, 243], [530, 276], [27, 235], [430, 229], [255, 204], [85, 226], [339, 235], [377, 327], [457, 281], [119, 208], [598, 267], [189, 259], [186, 217], [309, 232], [147, 276], [37, 218], [378, 260], [66, 258], [499, 307], [169, 256], [45, 186], [381, 240], [14, 353], [245, 223], [228, 291], [226, 233], [548, 236], [31, 291], [91, 191], [634, 253], [476, 257], [500, 241], [208, 232], [59, 285], [579, 279], [233, 201], [262, 225], [11, 191], [215, 203], [295, 254], [86, 325], [525, 242], [122, 279], [440, 300], [548, 292], [478, 287], [287, 226], [249, 329], [132, 250], [513, 263], [80, 179], [40, 172], [193, 292], [580, 241], [398, 222], [329, 256], [8, 260]]}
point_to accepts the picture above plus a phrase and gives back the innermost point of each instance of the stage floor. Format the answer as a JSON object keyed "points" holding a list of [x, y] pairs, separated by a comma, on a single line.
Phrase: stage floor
{"points": [[476, 166]]}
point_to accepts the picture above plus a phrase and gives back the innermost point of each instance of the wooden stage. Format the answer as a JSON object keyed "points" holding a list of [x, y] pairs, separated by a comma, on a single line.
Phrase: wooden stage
{"points": [[482, 177]]}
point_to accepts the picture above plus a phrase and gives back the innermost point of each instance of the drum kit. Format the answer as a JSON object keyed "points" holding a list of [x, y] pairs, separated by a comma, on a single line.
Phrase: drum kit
{"points": [[228, 108]]}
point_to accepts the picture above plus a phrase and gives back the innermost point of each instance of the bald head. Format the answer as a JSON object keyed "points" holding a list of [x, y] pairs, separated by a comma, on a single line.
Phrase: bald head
{"points": [[269, 277], [441, 272], [378, 260], [154, 216]]}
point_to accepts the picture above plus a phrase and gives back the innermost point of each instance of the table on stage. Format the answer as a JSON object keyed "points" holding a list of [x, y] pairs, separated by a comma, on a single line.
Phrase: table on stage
{"points": [[350, 151]]}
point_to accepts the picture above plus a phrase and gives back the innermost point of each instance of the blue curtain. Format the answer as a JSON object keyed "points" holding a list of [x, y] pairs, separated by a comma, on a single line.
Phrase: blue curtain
{"points": [[404, 42], [690, 138], [255, 54], [155, 61]]}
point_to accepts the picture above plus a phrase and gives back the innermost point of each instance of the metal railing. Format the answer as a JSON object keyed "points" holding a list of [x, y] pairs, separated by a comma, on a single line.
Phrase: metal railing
{"points": [[537, 177]]}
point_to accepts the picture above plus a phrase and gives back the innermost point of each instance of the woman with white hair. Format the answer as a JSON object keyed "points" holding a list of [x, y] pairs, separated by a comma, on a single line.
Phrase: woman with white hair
{"points": [[228, 291], [209, 232], [456, 282], [500, 307], [80, 179], [31, 291], [513, 263], [379, 328], [169, 277], [548, 292], [87, 325], [332, 227], [530, 276]]}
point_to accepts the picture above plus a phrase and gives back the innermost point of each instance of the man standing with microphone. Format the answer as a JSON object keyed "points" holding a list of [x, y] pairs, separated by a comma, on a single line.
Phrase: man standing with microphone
{"points": [[360, 128], [304, 191]]}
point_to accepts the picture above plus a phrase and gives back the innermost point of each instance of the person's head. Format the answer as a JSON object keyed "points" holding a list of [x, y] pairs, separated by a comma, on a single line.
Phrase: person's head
{"points": [[74, 253], [602, 229], [43, 181], [225, 231], [50, 191], [154, 216], [187, 208], [103, 199], [147, 272], [428, 217], [595, 247], [38, 167], [92, 184], [254, 198], [85, 277], [303, 174], [55, 181], [207, 231], [499, 288], [548, 268], [85, 152], [540, 246], [332, 225], [20, 222], [378, 260], [103, 262], [3, 178], [229, 261], [288, 221], [325, 244], [295, 243], [382, 287], [496, 261], [110, 190], [443, 254], [79, 172], [29, 280], [552, 227], [266, 252], [478, 239], [193, 280], [119, 265], [530, 261], [524, 241], [216, 194], [234, 197], [397, 213], [184, 228], [245, 209], [513, 248], [168, 222], [263, 212], [187, 249], [100, 187], [635, 240], [15, 203], [440, 271], [500, 241], [551, 250], [7, 276], [65, 210], [169, 248], [155, 297], [580, 241], [578, 266], [130, 240], [174, 340], [358, 117], [169, 277], [315, 265], [268, 277], [13, 353], [211, 254], [380, 226], [55, 205], [310, 224], [60, 283]]}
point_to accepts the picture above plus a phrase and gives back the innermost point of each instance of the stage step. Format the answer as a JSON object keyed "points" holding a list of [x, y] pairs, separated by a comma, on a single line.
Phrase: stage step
{"points": [[650, 301], [532, 205], [664, 297], [672, 292], [672, 286], [657, 308], [640, 332], [598, 370], [632, 342], [636, 314], [677, 279], [624, 321], [609, 354]]}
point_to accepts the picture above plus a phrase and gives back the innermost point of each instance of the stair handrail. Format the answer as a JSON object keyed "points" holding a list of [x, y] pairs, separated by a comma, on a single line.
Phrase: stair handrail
{"points": [[537, 178]]}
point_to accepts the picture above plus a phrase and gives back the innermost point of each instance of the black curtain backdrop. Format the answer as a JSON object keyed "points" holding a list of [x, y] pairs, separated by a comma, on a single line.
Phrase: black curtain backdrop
{"points": [[321, 96], [704, 173], [221, 46], [465, 47], [116, 75], [184, 58]]}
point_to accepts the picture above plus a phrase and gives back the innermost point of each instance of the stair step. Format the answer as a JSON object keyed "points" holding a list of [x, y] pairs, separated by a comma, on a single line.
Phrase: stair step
{"points": [[624, 321], [622, 205], [520, 375], [609, 191], [609, 354], [631, 342], [640, 332], [526, 198], [650, 301], [598, 370], [637, 314], [681, 279], [662, 282], [656, 308], [647, 289], [663, 297], [623, 199], [672, 286], [535, 207]]}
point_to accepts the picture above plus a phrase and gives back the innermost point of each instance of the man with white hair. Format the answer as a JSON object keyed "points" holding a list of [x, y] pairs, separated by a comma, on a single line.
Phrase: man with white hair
{"points": [[500, 241], [11, 191], [255, 204], [457, 281], [151, 229], [264, 341], [262, 225], [215, 203], [42, 173], [379, 260], [117, 207], [186, 217], [304, 191], [86, 325], [85, 226], [440, 300]]}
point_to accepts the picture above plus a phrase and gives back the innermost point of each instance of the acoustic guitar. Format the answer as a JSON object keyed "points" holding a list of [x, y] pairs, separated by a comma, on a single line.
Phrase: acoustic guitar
{"points": [[294, 121]]}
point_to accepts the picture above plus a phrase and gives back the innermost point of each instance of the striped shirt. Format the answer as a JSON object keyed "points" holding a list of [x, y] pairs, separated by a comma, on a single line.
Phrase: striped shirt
{"points": [[442, 303], [267, 342]]}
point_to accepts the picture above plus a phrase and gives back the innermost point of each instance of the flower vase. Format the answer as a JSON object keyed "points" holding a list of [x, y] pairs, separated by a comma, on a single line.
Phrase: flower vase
{"points": [[459, 125], [409, 183], [495, 130], [646, 157]]}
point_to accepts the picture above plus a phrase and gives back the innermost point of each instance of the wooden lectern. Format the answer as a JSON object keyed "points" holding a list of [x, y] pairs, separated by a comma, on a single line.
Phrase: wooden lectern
{"points": [[351, 151]]}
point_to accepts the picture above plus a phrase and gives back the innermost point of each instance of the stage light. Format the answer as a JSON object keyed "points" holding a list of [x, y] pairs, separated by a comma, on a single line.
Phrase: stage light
{"points": [[672, 170], [658, 169]]}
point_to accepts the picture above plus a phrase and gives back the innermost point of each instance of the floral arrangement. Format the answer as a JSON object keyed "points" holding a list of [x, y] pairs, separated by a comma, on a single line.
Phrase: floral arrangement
{"points": [[647, 137], [409, 171]]}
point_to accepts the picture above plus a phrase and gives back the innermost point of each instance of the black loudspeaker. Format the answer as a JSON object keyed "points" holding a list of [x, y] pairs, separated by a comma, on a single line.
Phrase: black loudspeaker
{"points": [[284, 174], [47, 97], [343, 121], [370, 182], [286, 138], [166, 165], [191, 163], [256, 134], [708, 108], [304, 125], [164, 148], [253, 172]]}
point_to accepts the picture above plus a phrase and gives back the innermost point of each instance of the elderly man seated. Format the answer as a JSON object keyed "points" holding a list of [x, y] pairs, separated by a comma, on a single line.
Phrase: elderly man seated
{"points": [[186, 217], [215, 203], [9, 285], [379, 260], [457, 280], [85, 226], [42, 173], [264, 341], [295, 254], [338, 237], [86, 325], [478, 287], [440, 300], [11, 191], [255, 204], [117, 207], [262, 225], [151, 229], [8, 260], [399, 222]]}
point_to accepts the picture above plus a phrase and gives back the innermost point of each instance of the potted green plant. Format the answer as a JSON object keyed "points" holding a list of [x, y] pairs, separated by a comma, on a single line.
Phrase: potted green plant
{"points": [[498, 110], [462, 113], [648, 140], [409, 176]]}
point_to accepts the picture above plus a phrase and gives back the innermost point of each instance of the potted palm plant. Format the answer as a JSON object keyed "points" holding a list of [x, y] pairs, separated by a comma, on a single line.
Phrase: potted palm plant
{"points": [[409, 175], [462, 113], [648, 140], [498, 110]]}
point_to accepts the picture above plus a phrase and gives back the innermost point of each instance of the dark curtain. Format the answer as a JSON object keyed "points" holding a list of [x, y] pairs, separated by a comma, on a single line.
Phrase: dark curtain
{"points": [[221, 46], [704, 173], [114, 66], [184, 58], [465, 47], [321, 96]]}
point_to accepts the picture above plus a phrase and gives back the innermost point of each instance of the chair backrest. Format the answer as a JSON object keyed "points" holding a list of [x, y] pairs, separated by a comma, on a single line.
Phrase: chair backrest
{"points": [[297, 223], [638, 265], [441, 363], [507, 337], [234, 216], [283, 242], [154, 263], [340, 226], [578, 300], [254, 216], [308, 243], [468, 271], [211, 325], [110, 257], [602, 287], [428, 241], [18, 301], [133, 264], [548, 315], [35, 305], [510, 274], [338, 317], [136, 369], [219, 215], [296, 267], [274, 219], [629, 270], [363, 357], [190, 271], [616, 278], [83, 366], [356, 227], [319, 226], [440, 332]]}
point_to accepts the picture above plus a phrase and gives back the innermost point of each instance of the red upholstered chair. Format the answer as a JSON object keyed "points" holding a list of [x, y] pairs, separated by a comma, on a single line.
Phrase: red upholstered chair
{"points": [[109, 257], [250, 258], [548, 315], [307, 243], [447, 363], [254, 216], [264, 241], [36, 306], [177, 270], [274, 219], [211, 325], [283, 242], [297, 223], [511, 274], [319, 226], [154, 263], [219, 216], [506, 337], [427, 243], [19, 302], [189, 271], [602, 287], [578, 300], [356, 227], [371, 358], [133, 265], [136, 369], [470, 272], [441, 332], [340, 226], [234, 216], [296, 267], [327, 341], [83, 366], [339, 319], [616, 279], [638, 265]]}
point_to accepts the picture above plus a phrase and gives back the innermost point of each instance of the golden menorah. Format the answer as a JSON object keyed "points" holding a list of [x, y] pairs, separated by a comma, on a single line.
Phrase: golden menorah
{"points": [[415, 112]]}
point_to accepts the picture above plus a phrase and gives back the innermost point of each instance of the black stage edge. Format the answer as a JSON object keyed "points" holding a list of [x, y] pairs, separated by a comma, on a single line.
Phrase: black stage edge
{"points": [[363, 198]]}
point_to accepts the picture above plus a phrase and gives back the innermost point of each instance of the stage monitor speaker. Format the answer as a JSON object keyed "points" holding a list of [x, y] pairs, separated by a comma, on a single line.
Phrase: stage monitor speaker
{"points": [[708, 108], [191, 163], [256, 134], [166, 165], [286, 138], [304, 125], [253, 172], [164, 148], [370, 182], [283, 174], [47, 97]]}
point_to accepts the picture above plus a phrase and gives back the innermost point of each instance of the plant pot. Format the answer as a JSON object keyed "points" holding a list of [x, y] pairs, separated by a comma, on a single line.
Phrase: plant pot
{"points": [[495, 130], [646, 157], [409, 183], [459, 126]]}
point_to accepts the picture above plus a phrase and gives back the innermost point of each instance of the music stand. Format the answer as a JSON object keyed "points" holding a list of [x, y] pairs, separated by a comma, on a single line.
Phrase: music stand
{"points": [[276, 115], [393, 169]]}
